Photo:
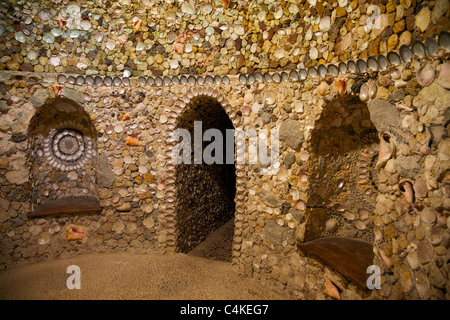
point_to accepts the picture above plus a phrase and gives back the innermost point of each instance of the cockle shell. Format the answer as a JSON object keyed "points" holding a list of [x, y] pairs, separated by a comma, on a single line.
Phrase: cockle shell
{"points": [[425, 75]]}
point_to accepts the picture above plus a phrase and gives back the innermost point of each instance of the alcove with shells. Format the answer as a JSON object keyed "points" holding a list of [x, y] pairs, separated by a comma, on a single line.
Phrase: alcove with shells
{"points": [[63, 159], [342, 176]]}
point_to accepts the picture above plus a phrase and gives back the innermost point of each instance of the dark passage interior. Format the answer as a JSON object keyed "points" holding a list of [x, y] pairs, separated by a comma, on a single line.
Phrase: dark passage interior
{"points": [[206, 191]]}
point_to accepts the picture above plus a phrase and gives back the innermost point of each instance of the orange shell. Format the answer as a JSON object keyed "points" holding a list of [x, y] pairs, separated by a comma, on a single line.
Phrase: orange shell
{"points": [[132, 141]]}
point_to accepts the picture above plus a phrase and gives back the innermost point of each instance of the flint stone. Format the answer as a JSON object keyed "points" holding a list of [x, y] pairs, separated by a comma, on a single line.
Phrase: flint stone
{"points": [[106, 176], [17, 177], [384, 115], [432, 105], [275, 233], [291, 134], [39, 97], [73, 95], [270, 199], [407, 166]]}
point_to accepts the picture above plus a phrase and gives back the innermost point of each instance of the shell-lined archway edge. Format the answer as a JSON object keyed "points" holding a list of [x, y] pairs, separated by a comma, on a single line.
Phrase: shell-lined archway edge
{"points": [[172, 237]]}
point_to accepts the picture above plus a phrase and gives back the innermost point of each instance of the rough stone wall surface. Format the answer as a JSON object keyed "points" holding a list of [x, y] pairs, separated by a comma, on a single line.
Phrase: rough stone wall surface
{"points": [[406, 95]]}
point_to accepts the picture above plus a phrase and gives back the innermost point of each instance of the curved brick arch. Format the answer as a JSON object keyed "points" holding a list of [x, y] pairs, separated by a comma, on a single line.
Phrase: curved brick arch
{"points": [[168, 235]]}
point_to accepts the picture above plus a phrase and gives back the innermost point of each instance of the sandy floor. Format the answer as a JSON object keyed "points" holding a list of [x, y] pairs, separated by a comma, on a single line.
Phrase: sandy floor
{"points": [[132, 276]]}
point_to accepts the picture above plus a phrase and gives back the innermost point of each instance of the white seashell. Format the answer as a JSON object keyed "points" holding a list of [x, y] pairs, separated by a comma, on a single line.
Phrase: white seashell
{"points": [[364, 92]]}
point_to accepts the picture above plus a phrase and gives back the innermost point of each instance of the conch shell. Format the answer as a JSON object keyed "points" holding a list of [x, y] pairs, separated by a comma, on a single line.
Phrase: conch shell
{"points": [[387, 149], [75, 234]]}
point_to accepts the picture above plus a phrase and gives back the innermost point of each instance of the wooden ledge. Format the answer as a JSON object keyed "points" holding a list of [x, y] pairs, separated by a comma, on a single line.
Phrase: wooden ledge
{"points": [[351, 257], [67, 206]]}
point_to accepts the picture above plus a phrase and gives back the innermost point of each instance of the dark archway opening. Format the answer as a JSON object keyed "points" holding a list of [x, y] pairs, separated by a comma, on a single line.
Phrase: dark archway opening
{"points": [[205, 204]]}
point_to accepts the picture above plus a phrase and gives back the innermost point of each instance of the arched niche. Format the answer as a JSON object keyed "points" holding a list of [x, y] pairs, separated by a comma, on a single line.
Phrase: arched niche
{"points": [[63, 158], [341, 172]]}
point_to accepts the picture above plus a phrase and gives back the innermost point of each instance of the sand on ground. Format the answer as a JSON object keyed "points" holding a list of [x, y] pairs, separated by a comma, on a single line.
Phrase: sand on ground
{"points": [[172, 276]]}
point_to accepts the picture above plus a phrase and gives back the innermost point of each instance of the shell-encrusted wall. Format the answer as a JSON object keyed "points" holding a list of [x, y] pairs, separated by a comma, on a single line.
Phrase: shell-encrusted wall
{"points": [[384, 95]]}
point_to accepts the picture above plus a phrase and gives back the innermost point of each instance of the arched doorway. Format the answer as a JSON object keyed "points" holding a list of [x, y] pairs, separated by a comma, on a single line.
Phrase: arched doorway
{"points": [[206, 191]]}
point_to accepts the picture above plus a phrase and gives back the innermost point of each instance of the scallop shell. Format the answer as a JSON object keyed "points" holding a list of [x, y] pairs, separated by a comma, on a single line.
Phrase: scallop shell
{"points": [[175, 80], [322, 88], [364, 92], [425, 75], [372, 89], [61, 79], [80, 80], [225, 80], [372, 63], [419, 49], [108, 81], [71, 80], [167, 81], [302, 74], [383, 62], [333, 70], [362, 65], [342, 67], [322, 71], [444, 40], [57, 88], [431, 46], [351, 65], [405, 53], [393, 58], [200, 80], [276, 78], [259, 77], [293, 75], [312, 72]]}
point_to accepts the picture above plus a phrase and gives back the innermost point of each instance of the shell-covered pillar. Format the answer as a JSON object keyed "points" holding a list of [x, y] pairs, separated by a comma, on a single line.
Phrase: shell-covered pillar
{"points": [[63, 158]]}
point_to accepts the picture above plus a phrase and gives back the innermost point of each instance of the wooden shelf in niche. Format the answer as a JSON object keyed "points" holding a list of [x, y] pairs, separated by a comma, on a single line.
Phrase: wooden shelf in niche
{"points": [[67, 206]]}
